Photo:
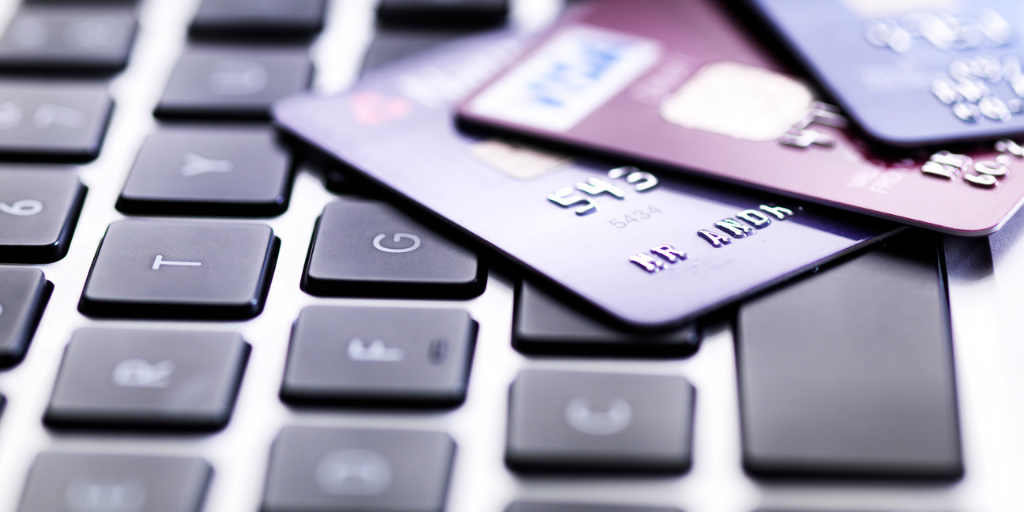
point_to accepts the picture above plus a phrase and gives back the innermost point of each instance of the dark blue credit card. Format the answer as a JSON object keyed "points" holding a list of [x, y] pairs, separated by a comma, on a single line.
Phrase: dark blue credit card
{"points": [[648, 250], [913, 72]]}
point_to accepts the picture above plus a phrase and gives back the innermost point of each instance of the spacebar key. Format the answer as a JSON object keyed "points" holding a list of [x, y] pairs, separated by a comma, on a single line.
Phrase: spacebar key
{"points": [[849, 372]]}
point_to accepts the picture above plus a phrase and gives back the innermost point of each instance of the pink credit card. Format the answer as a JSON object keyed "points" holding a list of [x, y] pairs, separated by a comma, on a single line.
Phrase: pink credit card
{"points": [[680, 84]]}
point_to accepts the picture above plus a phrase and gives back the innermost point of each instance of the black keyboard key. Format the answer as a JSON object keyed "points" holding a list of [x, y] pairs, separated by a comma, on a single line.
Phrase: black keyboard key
{"points": [[48, 121], [390, 45], [531, 506], [220, 171], [68, 39], [23, 296], [443, 13], [256, 18], [544, 325], [371, 249], [148, 379], [172, 269], [77, 482], [38, 214], [358, 470], [849, 372], [234, 82], [380, 356], [584, 422]]}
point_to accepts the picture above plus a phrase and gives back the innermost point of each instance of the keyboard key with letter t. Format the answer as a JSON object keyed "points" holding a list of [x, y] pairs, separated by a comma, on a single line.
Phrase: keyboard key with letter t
{"points": [[155, 269]]}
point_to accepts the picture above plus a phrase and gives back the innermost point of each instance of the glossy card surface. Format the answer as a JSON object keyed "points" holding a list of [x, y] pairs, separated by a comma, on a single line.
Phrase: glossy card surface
{"points": [[913, 71], [679, 84], [649, 251]]}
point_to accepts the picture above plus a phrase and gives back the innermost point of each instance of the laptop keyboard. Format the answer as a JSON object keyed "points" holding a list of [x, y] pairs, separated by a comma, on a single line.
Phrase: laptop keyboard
{"points": [[176, 278]]}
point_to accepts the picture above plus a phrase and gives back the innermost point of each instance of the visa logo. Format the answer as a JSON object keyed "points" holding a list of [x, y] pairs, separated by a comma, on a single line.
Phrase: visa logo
{"points": [[569, 77]]}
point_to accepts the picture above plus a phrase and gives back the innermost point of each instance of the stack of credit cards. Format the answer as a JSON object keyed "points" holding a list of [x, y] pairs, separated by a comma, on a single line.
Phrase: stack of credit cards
{"points": [[657, 160], [653, 161], [647, 249]]}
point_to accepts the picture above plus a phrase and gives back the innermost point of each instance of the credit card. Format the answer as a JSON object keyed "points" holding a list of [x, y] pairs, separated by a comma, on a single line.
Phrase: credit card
{"points": [[680, 85], [913, 72], [650, 251]]}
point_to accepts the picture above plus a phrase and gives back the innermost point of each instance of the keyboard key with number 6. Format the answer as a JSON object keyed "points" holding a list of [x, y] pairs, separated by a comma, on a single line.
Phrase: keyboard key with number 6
{"points": [[168, 269], [38, 214]]}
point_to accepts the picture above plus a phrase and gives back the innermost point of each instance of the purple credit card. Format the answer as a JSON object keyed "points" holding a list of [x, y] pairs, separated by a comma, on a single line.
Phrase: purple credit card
{"points": [[650, 251], [680, 84]]}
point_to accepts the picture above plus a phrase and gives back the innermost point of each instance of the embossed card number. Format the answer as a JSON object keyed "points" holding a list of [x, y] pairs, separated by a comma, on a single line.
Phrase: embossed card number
{"points": [[634, 216], [567, 197]]}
